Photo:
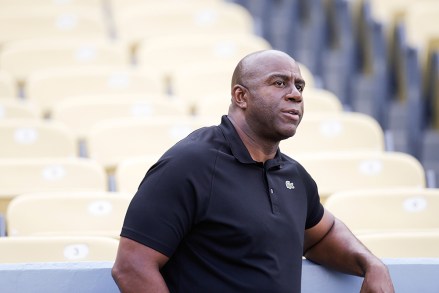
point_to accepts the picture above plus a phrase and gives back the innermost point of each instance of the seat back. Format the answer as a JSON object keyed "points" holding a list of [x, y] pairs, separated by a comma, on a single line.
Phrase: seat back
{"points": [[21, 58], [161, 18], [46, 87], [67, 213], [8, 86], [386, 209], [45, 249], [166, 53], [335, 172], [14, 108], [407, 244], [95, 108], [335, 132], [112, 141], [34, 138], [321, 100], [37, 21], [19, 176], [130, 172]]}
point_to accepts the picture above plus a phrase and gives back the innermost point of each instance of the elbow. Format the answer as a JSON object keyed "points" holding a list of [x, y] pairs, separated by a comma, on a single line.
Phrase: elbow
{"points": [[119, 276]]}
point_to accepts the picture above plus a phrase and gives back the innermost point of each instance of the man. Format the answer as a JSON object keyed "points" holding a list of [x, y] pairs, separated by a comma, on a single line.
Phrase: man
{"points": [[225, 211]]}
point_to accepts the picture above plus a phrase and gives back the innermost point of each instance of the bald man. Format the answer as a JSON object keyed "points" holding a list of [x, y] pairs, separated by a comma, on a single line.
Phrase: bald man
{"points": [[224, 210]]}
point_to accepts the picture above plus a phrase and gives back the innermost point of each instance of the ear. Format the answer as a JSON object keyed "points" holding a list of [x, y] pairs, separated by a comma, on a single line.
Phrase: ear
{"points": [[239, 96]]}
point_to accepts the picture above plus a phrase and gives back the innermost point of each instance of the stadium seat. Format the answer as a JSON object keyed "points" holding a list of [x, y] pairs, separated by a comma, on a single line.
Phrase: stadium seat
{"points": [[96, 108], [21, 58], [15, 108], [130, 172], [161, 18], [111, 141], [37, 21], [407, 244], [19, 176], [307, 75], [335, 132], [34, 249], [52, 3], [67, 213], [46, 87], [424, 37], [321, 100], [116, 5], [35, 138], [207, 79], [386, 209], [8, 86], [166, 53], [340, 171], [212, 105]]}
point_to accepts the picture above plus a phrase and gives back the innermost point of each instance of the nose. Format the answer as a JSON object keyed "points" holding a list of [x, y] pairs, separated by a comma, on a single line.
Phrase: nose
{"points": [[294, 95]]}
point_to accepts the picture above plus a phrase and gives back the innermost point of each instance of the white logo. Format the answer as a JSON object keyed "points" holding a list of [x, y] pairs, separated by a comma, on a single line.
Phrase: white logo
{"points": [[289, 185]]}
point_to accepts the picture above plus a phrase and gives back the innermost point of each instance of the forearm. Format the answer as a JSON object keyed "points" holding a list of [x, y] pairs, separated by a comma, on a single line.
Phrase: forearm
{"points": [[342, 251]]}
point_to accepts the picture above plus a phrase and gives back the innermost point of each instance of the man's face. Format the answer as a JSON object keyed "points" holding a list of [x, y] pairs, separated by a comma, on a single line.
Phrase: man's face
{"points": [[275, 104]]}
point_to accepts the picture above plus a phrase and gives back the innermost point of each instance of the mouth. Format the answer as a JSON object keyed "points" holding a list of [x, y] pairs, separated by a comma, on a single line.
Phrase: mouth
{"points": [[292, 114]]}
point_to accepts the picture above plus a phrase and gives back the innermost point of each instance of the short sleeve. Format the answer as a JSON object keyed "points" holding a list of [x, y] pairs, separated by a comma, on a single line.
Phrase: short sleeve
{"points": [[166, 204]]}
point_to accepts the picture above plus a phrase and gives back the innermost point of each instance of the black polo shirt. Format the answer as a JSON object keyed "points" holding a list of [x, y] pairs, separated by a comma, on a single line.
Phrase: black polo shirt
{"points": [[228, 223]]}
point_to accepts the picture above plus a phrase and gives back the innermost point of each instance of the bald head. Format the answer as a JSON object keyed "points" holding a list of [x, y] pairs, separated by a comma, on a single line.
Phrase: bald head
{"points": [[248, 65]]}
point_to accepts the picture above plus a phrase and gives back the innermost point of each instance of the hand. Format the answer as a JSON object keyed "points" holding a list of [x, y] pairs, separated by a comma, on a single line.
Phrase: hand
{"points": [[377, 280]]}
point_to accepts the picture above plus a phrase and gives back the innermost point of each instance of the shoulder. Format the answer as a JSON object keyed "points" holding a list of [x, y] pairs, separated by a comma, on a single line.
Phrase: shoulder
{"points": [[196, 150]]}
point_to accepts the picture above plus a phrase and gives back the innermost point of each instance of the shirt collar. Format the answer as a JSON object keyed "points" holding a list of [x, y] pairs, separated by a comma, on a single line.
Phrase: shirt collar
{"points": [[238, 148]]}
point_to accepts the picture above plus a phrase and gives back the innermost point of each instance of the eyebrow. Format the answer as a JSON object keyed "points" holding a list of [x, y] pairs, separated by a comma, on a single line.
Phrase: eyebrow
{"points": [[286, 77]]}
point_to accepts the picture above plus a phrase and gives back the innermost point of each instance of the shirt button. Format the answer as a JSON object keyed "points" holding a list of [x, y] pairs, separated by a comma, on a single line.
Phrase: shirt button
{"points": [[271, 190]]}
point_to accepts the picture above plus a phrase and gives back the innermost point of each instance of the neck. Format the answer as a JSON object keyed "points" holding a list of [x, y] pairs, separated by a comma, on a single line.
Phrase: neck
{"points": [[259, 150]]}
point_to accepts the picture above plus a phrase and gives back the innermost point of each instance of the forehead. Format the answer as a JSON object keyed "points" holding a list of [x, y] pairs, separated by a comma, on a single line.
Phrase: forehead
{"points": [[266, 65]]}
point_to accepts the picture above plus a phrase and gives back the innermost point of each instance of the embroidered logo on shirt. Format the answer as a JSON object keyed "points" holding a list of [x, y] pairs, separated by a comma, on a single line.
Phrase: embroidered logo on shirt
{"points": [[289, 185]]}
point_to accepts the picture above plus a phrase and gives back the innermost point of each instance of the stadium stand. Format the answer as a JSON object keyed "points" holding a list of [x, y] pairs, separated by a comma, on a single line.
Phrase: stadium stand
{"points": [[44, 249], [67, 213], [15, 108], [386, 210], [344, 171], [360, 53], [335, 132], [48, 174], [47, 86], [35, 138]]}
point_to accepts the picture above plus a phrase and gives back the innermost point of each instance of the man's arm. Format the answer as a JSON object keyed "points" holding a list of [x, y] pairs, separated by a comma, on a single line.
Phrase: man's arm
{"points": [[137, 268], [332, 244]]}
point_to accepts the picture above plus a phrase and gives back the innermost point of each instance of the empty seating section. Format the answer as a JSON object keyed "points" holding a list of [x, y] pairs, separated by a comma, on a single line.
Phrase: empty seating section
{"points": [[170, 53], [57, 249], [49, 21], [405, 244], [95, 108], [335, 132], [8, 88], [334, 172], [21, 58], [92, 92], [21, 175], [49, 86], [14, 108], [130, 172], [32, 138], [160, 18], [67, 213], [112, 141], [387, 210]]}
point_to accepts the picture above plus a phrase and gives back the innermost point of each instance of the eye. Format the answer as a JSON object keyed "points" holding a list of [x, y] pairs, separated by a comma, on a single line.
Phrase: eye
{"points": [[299, 87], [280, 83]]}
